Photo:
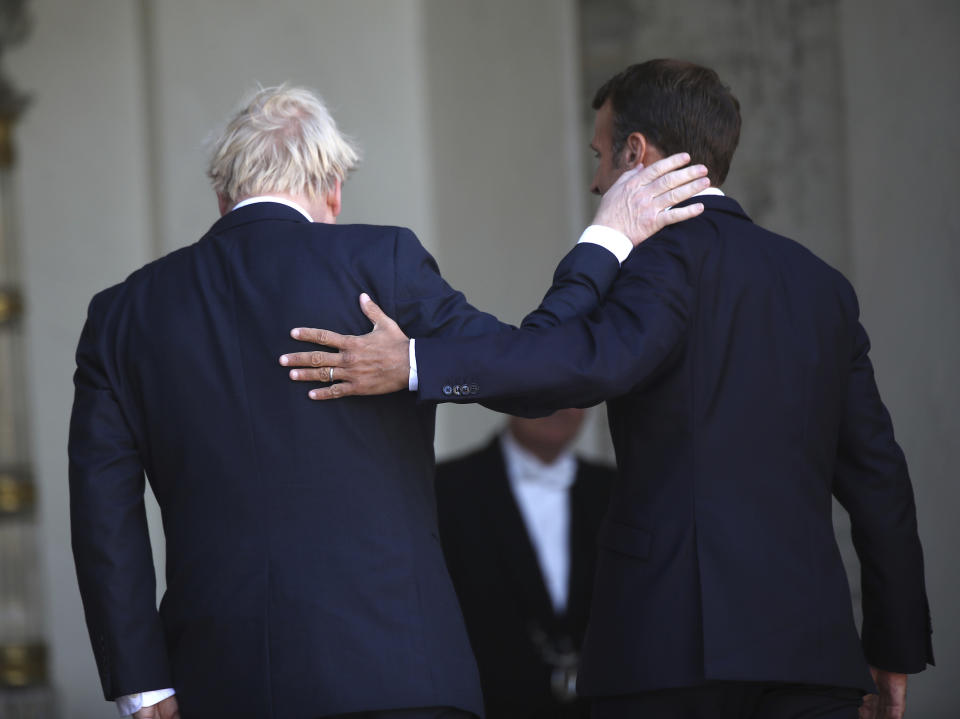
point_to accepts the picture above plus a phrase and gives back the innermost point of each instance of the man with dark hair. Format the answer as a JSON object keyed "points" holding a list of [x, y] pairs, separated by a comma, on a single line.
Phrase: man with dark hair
{"points": [[673, 104], [741, 397]]}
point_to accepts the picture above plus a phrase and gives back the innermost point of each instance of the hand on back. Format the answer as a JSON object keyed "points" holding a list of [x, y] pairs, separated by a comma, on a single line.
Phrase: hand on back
{"points": [[375, 363]]}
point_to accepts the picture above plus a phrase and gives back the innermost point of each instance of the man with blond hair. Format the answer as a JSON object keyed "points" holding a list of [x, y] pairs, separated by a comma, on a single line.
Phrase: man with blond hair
{"points": [[304, 574]]}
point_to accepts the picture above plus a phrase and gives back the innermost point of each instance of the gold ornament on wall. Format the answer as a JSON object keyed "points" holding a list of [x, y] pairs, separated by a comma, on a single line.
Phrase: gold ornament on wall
{"points": [[11, 305]]}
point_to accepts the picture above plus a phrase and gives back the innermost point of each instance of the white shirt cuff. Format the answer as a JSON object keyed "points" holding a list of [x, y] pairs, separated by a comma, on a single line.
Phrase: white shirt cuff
{"points": [[132, 703], [413, 384], [609, 239]]}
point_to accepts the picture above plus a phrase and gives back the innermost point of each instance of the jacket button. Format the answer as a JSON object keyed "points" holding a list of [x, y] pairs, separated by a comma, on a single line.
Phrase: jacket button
{"points": [[474, 389], [456, 390], [447, 390], [465, 389]]}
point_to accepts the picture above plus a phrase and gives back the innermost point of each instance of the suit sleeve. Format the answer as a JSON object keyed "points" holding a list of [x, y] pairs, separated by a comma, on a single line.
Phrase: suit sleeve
{"points": [[429, 307], [583, 360], [111, 544], [873, 485]]}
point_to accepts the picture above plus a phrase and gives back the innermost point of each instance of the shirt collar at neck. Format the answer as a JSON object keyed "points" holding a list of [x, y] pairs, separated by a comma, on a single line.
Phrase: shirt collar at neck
{"points": [[270, 198], [711, 191]]}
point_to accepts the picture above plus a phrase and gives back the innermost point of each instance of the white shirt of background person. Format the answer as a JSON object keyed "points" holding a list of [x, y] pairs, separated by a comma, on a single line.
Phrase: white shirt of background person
{"points": [[542, 493]]}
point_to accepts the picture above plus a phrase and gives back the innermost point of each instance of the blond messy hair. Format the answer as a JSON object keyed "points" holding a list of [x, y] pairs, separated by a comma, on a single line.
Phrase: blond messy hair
{"points": [[284, 140]]}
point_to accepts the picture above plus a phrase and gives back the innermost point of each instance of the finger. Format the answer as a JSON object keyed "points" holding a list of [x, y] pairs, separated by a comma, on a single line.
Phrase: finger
{"points": [[679, 178], [321, 337], [318, 375], [662, 167], [313, 359], [334, 391], [373, 312], [679, 194], [679, 214]]}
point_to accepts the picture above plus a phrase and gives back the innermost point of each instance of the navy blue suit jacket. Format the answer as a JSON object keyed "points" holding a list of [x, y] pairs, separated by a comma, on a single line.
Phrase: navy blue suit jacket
{"points": [[741, 398], [304, 573]]}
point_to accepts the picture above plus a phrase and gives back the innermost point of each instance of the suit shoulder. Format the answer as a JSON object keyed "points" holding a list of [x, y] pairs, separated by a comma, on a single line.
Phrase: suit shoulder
{"points": [[115, 294], [385, 233], [383, 243], [599, 468], [597, 472], [465, 469], [105, 298], [455, 468], [803, 256]]}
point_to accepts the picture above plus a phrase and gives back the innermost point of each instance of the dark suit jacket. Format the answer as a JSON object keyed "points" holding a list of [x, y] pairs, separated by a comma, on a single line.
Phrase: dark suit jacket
{"points": [[304, 571], [743, 399], [497, 576]]}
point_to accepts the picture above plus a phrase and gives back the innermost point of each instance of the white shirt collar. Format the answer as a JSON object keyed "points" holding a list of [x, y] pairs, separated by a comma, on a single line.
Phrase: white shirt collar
{"points": [[711, 191], [271, 198]]}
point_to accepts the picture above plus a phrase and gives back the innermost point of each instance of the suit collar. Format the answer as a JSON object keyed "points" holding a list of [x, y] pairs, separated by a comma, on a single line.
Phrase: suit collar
{"points": [[717, 203], [257, 212]]}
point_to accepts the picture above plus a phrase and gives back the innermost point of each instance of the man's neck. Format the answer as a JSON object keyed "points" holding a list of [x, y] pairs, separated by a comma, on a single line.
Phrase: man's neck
{"points": [[314, 210], [546, 452]]}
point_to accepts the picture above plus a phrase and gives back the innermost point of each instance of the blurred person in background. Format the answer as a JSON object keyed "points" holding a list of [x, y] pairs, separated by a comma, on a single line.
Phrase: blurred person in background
{"points": [[518, 524]]}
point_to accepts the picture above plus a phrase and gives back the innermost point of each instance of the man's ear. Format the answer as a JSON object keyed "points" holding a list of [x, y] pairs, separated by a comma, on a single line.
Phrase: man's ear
{"points": [[224, 204], [332, 200], [635, 150]]}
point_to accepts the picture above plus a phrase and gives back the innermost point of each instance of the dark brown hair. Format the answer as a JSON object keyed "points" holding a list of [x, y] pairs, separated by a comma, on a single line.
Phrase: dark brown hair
{"points": [[678, 107]]}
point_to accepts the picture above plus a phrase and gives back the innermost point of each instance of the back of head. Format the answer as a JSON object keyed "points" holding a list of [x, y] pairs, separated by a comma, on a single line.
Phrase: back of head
{"points": [[679, 107], [282, 141]]}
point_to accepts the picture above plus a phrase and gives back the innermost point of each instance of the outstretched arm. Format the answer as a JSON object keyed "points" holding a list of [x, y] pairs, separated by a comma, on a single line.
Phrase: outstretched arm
{"points": [[634, 333], [641, 203]]}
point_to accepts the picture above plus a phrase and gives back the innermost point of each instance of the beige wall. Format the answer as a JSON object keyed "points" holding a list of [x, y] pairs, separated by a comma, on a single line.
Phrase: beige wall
{"points": [[505, 151], [85, 225], [902, 104], [365, 57]]}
